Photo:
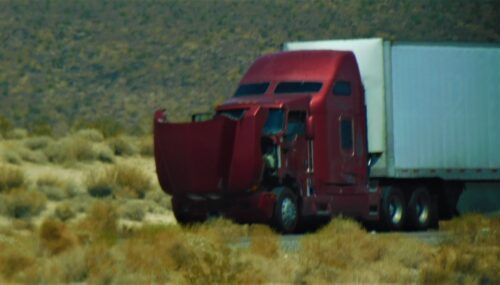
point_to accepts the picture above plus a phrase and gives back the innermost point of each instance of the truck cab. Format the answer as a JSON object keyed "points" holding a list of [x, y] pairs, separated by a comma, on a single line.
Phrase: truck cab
{"points": [[289, 145]]}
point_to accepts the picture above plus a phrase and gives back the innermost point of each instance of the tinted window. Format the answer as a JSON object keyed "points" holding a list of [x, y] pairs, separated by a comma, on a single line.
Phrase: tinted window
{"points": [[296, 124], [251, 89], [342, 88], [346, 134], [201, 117], [235, 114], [298, 87], [274, 123]]}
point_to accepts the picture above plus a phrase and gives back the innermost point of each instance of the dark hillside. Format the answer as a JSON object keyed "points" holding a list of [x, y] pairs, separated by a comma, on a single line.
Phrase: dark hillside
{"points": [[67, 63]]}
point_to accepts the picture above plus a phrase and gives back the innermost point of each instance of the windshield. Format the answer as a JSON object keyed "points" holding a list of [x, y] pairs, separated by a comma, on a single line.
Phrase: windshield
{"points": [[298, 87], [251, 89], [274, 123]]}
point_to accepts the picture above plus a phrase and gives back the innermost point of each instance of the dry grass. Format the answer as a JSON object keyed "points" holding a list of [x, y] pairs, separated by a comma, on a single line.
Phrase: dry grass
{"points": [[221, 230], [16, 256], [92, 135], [264, 241], [55, 237], [102, 182], [134, 210], [38, 143], [160, 198], [19, 203], [100, 224], [471, 255], [123, 146], [121, 180], [343, 252], [10, 177], [84, 240], [11, 157], [97, 251], [65, 211], [104, 153], [145, 145], [17, 134], [71, 149], [54, 187], [16, 152]]}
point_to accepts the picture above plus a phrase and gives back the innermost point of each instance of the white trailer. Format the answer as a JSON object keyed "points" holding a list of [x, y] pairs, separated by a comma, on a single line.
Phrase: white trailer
{"points": [[433, 109]]}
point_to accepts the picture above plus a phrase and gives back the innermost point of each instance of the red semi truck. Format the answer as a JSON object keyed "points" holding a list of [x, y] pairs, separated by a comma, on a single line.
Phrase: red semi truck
{"points": [[307, 136]]}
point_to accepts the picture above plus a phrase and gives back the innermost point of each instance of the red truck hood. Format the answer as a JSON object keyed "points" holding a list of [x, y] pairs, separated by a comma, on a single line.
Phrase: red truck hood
{"points": [[216, 156]]}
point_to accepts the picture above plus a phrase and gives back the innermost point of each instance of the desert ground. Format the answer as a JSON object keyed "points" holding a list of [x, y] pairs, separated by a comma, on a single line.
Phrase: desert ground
{"points": [[87, 209]]}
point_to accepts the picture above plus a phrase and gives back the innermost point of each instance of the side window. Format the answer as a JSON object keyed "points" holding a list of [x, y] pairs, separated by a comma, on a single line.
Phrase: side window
{"points": [[346, 139], [296, 124], [342, 88]]}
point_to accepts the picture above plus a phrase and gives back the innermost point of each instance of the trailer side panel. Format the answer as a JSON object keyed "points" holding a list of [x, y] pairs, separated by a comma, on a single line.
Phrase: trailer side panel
{"points": [[446, 111]]}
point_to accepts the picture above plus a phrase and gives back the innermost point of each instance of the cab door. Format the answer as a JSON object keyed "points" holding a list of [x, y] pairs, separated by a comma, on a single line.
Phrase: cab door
{"points": [[296, 156], [347, 126]]}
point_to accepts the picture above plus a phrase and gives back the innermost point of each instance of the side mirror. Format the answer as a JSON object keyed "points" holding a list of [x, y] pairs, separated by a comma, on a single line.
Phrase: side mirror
{"points": [[310, 128]]}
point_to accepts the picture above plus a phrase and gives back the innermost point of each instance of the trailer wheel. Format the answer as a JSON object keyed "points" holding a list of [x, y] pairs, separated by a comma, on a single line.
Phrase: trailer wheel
{"points": [[286, 214], [421, 213], [393, 212]]}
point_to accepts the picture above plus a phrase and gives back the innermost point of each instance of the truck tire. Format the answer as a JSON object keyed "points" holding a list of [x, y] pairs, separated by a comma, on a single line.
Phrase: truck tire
{"points": [[393, 210], [286, 214], [421, 211], [181, 214]]}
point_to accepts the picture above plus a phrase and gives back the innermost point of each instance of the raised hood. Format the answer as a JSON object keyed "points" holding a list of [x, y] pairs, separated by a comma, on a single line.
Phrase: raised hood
{"points": [[216, 156]]}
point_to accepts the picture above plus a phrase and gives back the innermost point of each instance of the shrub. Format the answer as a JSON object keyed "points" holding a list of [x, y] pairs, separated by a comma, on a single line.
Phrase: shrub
{"points": [[69, 266], [20, 203], [471, 253], [10, 177], [132, 180], [65, 211], [18, 152], [168, 254], [92, 135], [134, 210], [104, 153], [14, 258], [17, 134], [55, 188], [344, 252], [221, 230], [145, 145], [122, 146], [56, 237], [38, 143], [71, 149], [100, 224], [11, 157], [28, 155], [102, 182], [264, 241], [160, 198], [120, 180]]}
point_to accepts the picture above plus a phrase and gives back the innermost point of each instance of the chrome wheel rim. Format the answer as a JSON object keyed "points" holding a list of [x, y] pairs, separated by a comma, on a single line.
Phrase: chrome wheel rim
{"points": [[288, 213], [396, 210], [422, 211]]}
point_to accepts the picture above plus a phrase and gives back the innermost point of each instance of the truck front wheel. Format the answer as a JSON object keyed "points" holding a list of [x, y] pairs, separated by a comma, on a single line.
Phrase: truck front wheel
{"points": [[286, 213], [181, 213], [393, 212]]}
